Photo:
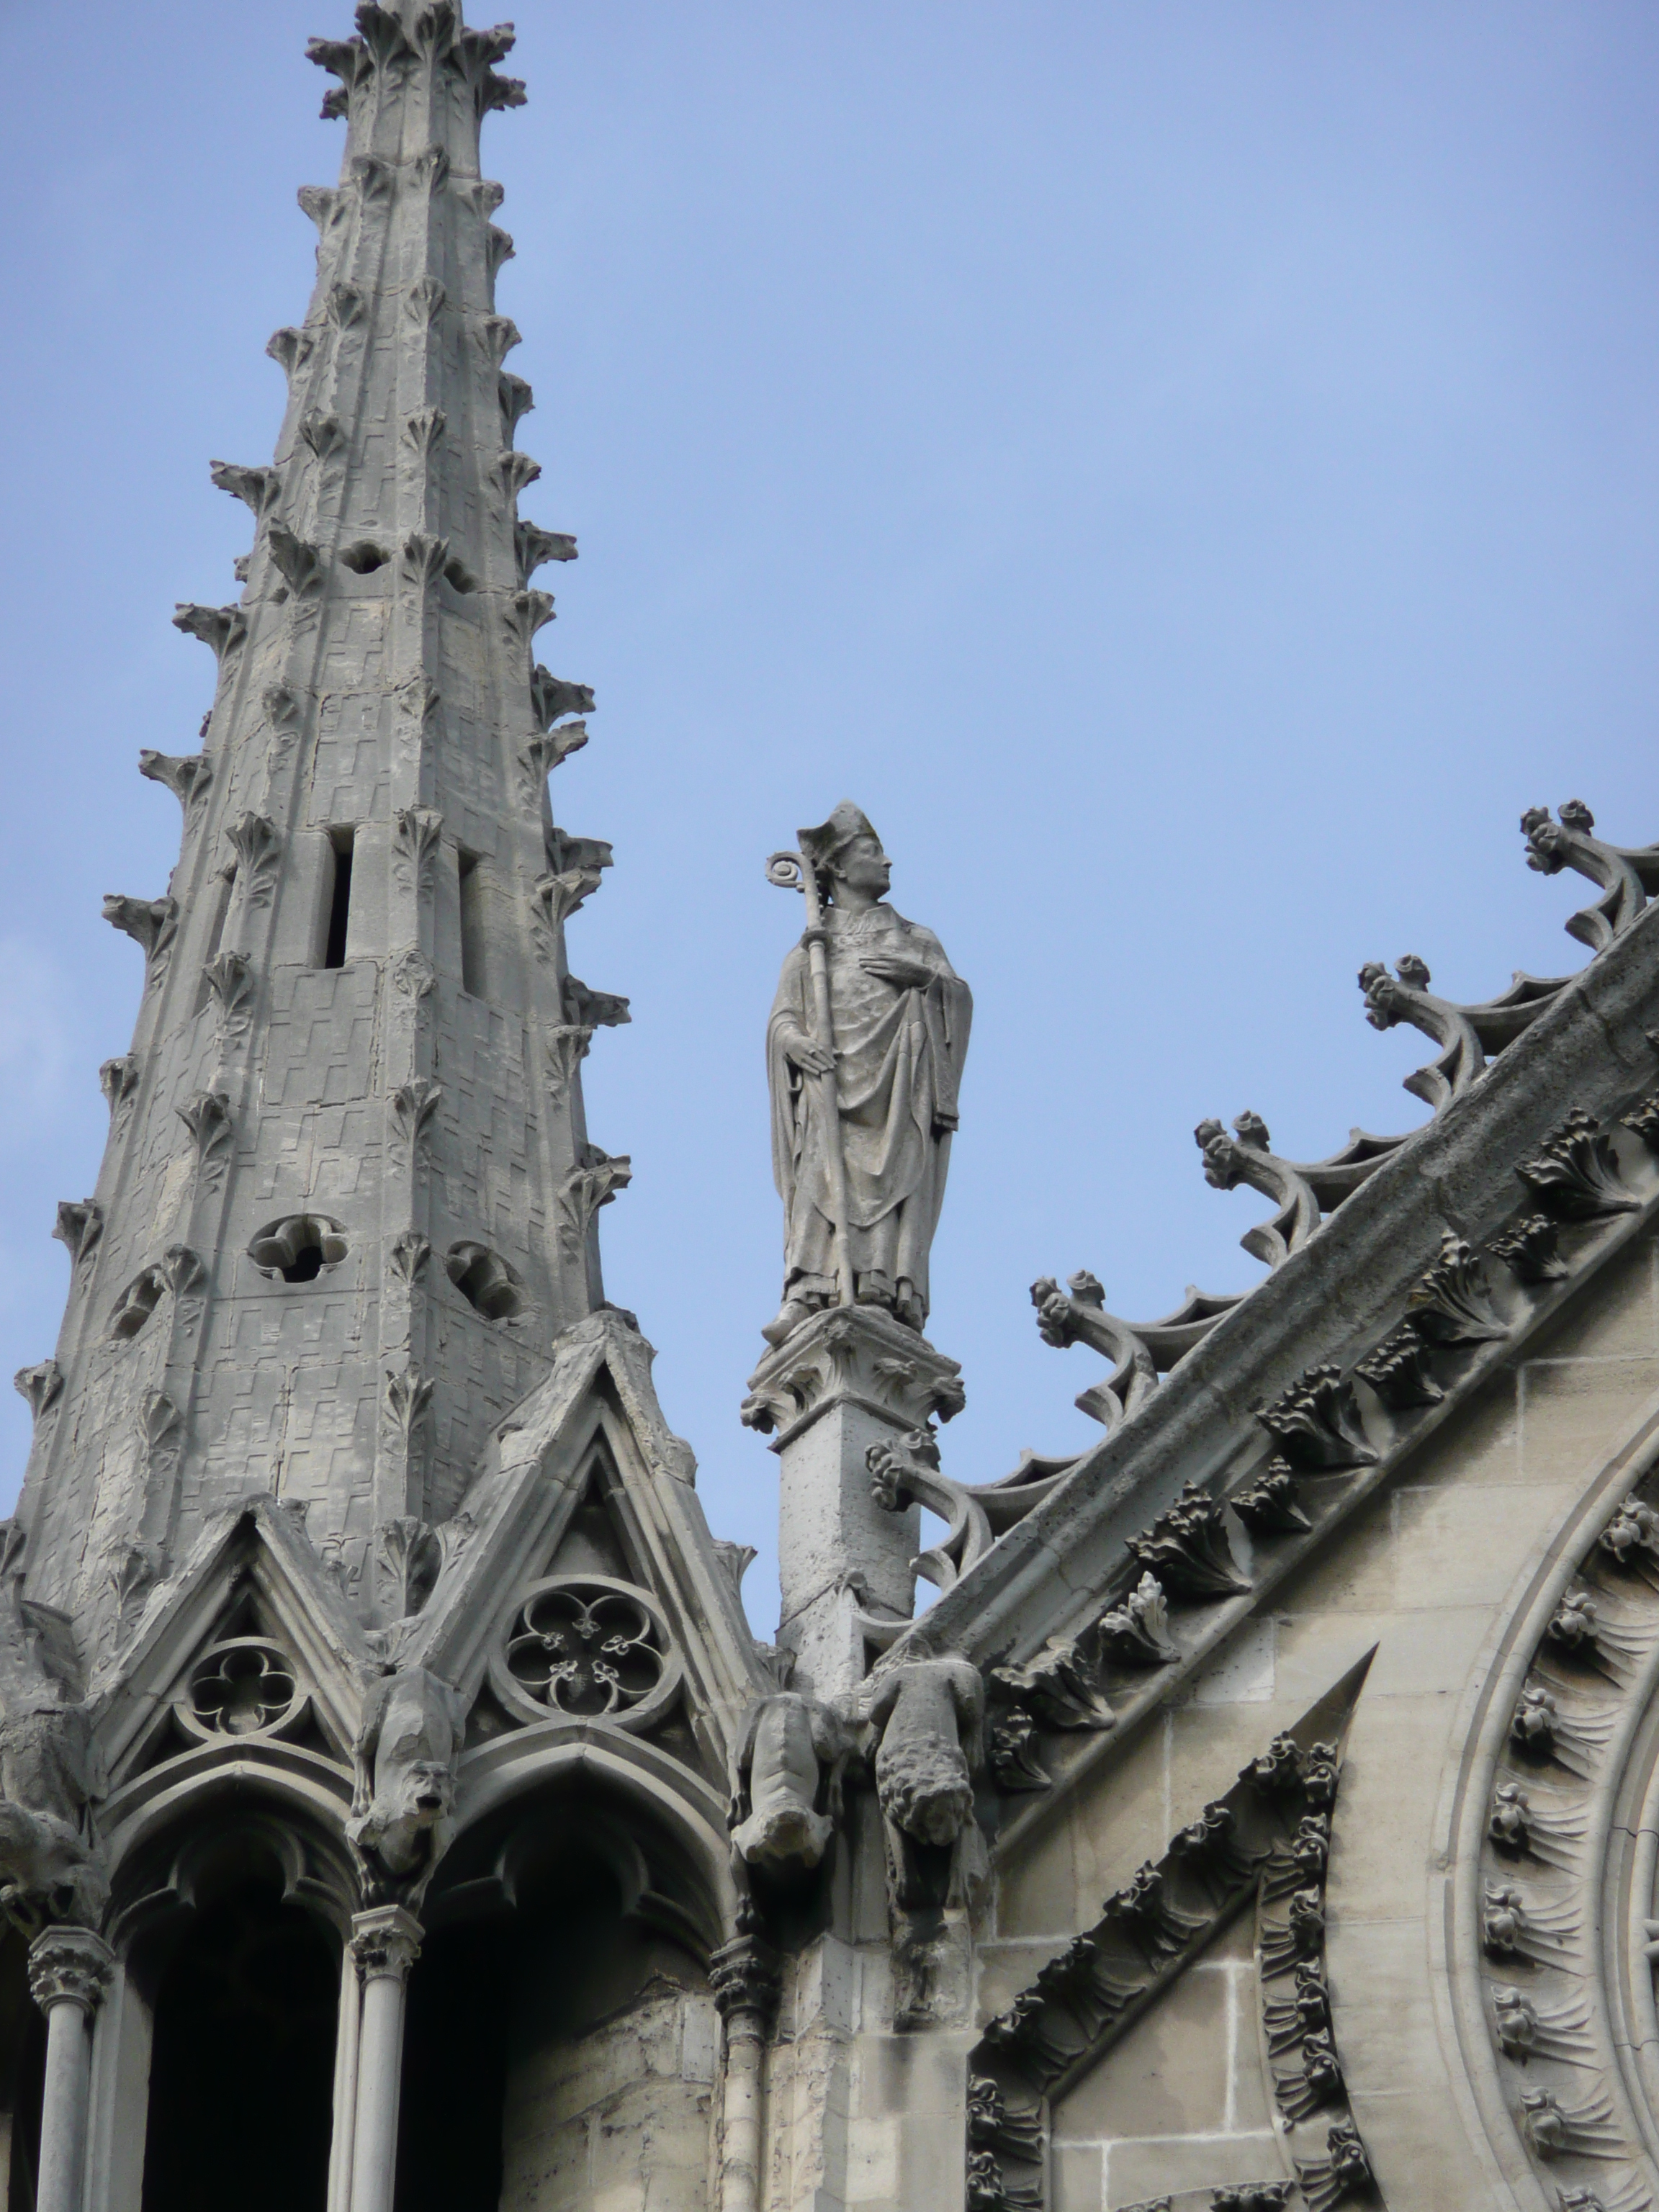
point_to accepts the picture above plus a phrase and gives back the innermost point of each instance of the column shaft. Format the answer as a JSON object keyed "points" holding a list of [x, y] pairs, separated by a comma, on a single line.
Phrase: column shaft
{"points": [[69, 1972], [386, 1944], [741, 2114]]}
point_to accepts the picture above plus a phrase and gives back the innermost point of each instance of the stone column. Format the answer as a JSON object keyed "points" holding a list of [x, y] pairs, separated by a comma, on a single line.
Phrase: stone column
{"points": [[853, 1376], [386, 1943], [346, 2030], [743, 1975], [69, 1971]]}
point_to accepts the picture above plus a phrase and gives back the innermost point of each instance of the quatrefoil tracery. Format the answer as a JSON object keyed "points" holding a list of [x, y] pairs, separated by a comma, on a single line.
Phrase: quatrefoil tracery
{"points": [[244, 1686], [587, 1648]]}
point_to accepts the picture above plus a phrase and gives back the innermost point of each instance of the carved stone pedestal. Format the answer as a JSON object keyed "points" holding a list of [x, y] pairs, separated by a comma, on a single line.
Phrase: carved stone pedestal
{"points": [[852, 1377]]}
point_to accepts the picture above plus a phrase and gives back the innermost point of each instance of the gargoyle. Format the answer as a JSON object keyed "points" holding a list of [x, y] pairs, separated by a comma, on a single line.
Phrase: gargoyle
{"points": [[404, 1799], [929, 1717], [786, 1784], [49, 1771]]}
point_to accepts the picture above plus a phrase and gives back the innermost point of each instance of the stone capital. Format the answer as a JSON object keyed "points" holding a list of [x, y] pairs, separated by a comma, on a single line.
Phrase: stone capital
{"points": [[385, 1942], [743, 1978], [69, 1965], [857, 1356]]}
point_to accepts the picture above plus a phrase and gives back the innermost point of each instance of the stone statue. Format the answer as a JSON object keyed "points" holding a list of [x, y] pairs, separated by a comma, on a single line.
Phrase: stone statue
{"points": [[929, 1716], [864, 1056], [785, 1783], [403, 1801]]}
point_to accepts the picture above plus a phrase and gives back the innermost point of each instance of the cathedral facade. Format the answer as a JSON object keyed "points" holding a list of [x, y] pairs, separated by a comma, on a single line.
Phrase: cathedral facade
{"points": [[397, 1810]]}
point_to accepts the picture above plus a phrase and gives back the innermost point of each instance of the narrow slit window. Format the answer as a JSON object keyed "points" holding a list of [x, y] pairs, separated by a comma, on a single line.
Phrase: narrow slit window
{"points": [[474, 935], [339, 902]]}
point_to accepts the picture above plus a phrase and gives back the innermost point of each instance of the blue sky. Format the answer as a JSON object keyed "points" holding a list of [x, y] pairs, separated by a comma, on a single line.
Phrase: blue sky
{"points": [[1187, 469]]}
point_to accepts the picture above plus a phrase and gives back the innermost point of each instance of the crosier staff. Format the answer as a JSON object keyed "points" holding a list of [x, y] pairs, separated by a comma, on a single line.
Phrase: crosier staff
{"points": [[793, 872]]}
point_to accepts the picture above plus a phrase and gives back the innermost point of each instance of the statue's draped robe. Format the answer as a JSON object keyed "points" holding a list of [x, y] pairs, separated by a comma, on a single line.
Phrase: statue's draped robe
{"points": [[899, 1063]]}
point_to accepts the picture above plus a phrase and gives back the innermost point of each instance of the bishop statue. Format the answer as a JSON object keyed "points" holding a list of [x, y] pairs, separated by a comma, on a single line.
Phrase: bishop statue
{"points": [[864, 1055]]}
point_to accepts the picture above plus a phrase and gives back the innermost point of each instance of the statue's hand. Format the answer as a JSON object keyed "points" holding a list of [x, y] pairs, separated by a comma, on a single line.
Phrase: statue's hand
{"points": [[807, 1055], [902, 975]]}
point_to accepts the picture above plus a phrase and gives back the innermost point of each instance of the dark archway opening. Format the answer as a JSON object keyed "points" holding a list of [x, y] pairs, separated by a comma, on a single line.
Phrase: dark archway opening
{"points": [[538, 1949], [242, 2064], [22, 2075]]}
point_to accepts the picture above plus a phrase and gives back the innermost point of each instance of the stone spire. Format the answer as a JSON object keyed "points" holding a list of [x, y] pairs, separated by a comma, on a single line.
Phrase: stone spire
{"points": [[348, 1198]]}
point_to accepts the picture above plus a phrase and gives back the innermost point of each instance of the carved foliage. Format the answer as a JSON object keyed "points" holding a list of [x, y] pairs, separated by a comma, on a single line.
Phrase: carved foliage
{"points": [[514, 472], [253, 839], [524, 613], [1528, 1251], [416, 832], [42, 1385], [423, 430], [186, 776], [1188, 1548], [79, 1226], [564, 1049], [1135, 1632], [1575, 1175], [259, 488], [592, 1009], [222, 628], [1087, 1996], [299, 562], [551, 698], [533, 545], [409, 1109], [583, 1191], [1451, 1303], [207, 1117], [539, 755], [1315, 1423], [119, 1079], [150, 923]]}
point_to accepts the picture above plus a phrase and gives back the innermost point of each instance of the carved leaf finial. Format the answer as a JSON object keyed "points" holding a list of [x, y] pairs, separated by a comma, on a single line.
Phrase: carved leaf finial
{"points": [[222, 628], [186, 776]]}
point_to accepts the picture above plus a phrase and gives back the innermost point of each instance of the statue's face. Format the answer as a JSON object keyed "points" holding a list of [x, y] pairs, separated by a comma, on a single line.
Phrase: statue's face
{"points": [[863, 867]]}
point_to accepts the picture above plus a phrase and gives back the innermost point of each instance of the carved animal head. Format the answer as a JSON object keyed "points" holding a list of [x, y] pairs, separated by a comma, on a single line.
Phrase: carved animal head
{"points": [[407, 1823]]}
